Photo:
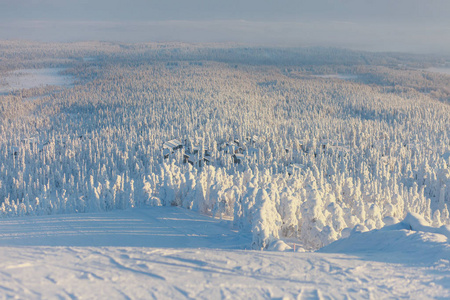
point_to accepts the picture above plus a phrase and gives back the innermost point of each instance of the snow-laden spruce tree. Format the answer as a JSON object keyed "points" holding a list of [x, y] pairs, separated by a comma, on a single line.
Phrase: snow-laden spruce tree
{"points": [[313, 220], [289, 210], [243, 208], [266, 221]]}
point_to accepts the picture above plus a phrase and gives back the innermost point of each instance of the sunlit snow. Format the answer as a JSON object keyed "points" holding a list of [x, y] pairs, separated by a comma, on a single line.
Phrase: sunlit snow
{"points": [[168, 168], [30, 78], [173, 253]]}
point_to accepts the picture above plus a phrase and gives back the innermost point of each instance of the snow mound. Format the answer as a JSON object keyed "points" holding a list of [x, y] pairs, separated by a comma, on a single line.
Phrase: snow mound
{"points": [[279, 245], [416, 222], [412, 240]]}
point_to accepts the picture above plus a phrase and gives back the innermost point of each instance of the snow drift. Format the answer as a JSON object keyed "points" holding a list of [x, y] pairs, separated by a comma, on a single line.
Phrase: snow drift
{"points": [[412, 240]]}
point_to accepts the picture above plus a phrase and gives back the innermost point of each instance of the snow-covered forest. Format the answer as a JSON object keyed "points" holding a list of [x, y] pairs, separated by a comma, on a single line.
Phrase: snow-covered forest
{"points": [[305, 144]]}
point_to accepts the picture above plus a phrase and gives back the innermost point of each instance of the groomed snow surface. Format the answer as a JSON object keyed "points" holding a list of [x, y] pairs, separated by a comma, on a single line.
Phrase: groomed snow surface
{"points": [[173, 253]]}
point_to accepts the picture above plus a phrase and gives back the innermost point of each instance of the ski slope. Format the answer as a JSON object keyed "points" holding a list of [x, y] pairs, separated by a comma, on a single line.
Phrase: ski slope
{"points": [[173, 253]]}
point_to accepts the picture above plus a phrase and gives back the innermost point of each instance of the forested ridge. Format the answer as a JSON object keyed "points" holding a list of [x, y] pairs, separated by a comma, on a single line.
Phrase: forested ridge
{"points": [[264, 140]]}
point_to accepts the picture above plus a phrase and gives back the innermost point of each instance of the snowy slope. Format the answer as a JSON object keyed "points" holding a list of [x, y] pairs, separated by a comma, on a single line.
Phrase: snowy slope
{"points": [[169, 227], [171, 253], [411, 241]]}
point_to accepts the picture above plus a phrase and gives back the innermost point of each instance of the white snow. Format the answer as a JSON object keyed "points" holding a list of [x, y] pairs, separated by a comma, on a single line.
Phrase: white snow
{"points": [[30, 78], [173, 253], [156, 227], [412, 241], [440, 70], [338, 76], [372, 154]]}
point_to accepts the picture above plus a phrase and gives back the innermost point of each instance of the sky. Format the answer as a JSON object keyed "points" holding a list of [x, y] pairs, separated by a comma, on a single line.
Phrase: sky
{"points": [[381, 25]]}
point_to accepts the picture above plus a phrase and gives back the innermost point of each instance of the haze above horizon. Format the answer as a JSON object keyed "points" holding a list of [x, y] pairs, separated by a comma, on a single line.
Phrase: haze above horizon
{"points": [[420, 26]]}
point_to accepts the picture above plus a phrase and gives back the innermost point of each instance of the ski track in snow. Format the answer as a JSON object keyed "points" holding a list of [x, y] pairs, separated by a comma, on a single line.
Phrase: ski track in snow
{"points": [[172, 253]]}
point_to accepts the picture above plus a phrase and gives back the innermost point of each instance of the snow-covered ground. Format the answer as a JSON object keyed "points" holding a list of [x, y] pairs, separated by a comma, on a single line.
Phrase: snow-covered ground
{"points": [[441, 70], [30, 78], [172, 253], [338, 76]]}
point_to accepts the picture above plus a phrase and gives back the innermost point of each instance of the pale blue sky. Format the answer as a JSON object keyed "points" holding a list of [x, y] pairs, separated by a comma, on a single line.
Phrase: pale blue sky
{"points": [[392, 25]]}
